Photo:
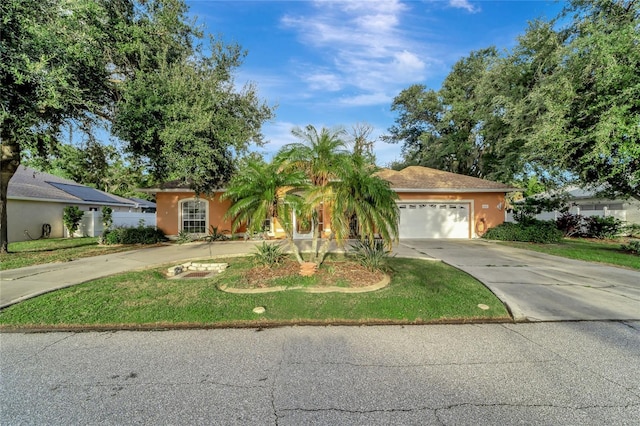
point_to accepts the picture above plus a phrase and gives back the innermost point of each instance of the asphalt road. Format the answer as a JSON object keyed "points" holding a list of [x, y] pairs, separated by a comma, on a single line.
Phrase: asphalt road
{"points": [[579, 373]]}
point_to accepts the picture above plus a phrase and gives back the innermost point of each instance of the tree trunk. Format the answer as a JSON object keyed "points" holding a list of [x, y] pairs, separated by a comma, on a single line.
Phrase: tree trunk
{"points": [[314, 241], [9, 162], [294, 247], [325, 248]]}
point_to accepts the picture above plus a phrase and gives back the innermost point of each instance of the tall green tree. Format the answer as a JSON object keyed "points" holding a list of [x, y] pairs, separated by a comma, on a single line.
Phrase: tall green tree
{"points": [[139, 65], [562, 105], [52, 70], [187, 120], [583, 109], [451, 129]]}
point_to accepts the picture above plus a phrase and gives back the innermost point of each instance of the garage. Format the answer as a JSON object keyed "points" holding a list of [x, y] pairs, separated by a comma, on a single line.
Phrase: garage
{"points": [[434, 220]]}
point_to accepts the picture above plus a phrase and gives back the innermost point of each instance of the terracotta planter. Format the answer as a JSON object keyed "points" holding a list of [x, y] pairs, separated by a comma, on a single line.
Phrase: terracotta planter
{"points": [[307, 269]]}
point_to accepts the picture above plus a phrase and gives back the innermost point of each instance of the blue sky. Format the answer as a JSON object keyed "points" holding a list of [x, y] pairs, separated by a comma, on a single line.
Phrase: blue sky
{"points": [[338, 63]]}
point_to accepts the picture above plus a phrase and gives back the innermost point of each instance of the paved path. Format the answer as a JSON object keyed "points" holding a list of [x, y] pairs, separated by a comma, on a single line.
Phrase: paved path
{"points": [[540, 287], [20, 284], [568, 373]]}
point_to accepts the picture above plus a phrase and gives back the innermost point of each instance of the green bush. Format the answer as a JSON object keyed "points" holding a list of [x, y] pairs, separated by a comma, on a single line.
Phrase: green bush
{"points": [[371, 254], [217, 235], [631, 230], [602, 227], [147, 235], [72, 215], [107, 217], [269, 254], [183, 237], [633, 247], [534, 231], [570, 224]]}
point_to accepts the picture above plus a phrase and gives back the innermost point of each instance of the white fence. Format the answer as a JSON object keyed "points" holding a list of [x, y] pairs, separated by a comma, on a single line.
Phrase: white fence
{"points": [[620, 214], [91, 224]]}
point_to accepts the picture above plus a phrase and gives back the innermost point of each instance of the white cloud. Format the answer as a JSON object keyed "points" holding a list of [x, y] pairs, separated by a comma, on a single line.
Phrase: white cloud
{"points": [[367, 99], [363, 48], [464, 4], [324, 81]]}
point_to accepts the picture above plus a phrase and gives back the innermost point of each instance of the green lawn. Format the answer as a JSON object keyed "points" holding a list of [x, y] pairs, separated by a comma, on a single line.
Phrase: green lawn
{"points": [[592, 251], [420, 291], [29, 253]]}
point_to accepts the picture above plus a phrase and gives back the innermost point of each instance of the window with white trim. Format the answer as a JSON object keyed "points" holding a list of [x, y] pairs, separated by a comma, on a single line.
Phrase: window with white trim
{"points": [[193, 216]]}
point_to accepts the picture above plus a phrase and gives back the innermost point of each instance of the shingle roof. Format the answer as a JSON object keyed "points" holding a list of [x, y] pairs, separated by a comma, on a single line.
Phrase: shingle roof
{"points": [[418, 178], [30, 183]]}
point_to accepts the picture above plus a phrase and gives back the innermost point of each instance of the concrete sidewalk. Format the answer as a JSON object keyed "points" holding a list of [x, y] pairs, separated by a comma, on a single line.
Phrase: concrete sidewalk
{"points": [[23, 283], [20, 284]]}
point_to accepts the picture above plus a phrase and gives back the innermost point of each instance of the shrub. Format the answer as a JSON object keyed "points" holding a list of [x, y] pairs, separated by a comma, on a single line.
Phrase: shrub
{"points": [[269, 254], [633, 247], [148, 235], [602, 227], [631, 230], [216, 235], [371, 254], [107, 217], [570, 224], [183, 237], [71, 217], [534, 231]]}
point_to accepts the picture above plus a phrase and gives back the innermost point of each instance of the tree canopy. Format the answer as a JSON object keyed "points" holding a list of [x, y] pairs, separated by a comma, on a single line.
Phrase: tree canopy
{"points": [[563, 104], [141, 69]]}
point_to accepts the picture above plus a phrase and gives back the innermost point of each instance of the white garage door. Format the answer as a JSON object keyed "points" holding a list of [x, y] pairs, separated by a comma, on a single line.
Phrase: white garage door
{"points": [[434, 220]]}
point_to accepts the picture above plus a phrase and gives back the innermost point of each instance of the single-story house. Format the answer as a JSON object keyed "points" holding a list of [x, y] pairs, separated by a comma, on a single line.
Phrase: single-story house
{"points": [[36, 200], [587, 202], [590, 202], [432, 203]]}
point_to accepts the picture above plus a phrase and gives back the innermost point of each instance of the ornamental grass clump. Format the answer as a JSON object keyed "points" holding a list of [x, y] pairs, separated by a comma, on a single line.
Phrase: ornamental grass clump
{"points": [[269, 254], [372, 254]]}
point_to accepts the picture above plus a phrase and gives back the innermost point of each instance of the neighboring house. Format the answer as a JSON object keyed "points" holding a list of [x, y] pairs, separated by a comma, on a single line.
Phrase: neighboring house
{"points": [[588, 202], [433, 204], [36, 199], [145, 206]]}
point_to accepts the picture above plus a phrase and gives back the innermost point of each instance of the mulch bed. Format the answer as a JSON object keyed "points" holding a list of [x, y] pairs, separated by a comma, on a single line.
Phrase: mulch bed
{"points": [[329, 274]]}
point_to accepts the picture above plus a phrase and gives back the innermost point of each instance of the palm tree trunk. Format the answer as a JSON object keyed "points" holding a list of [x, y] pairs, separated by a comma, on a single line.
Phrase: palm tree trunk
{"points": [[324, 249], [314, 241], [294, 248]]}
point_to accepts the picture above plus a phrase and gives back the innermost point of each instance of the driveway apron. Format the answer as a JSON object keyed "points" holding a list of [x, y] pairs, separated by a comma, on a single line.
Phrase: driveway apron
{"points": [[540, 287]]}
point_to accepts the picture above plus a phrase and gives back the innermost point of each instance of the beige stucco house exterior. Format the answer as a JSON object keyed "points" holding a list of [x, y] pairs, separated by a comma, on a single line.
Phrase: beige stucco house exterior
{"points": [[432, 203]]}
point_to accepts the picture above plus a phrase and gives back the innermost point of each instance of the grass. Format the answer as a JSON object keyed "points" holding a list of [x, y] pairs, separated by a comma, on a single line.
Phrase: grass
{"points": [[420, 292], [36, 252], [607, 252]]}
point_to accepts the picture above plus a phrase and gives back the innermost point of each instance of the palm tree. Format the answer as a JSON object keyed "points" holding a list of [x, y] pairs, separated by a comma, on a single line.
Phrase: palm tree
{"points": [[261, 191], [362, 194], [323, 157], [344, 186]]}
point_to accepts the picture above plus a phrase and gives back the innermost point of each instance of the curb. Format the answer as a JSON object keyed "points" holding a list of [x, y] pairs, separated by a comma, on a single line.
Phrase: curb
{"points": [[331, 289]]}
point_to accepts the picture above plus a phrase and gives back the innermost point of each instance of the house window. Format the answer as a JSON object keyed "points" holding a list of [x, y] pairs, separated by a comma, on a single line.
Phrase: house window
{"points": [[193, 216]]}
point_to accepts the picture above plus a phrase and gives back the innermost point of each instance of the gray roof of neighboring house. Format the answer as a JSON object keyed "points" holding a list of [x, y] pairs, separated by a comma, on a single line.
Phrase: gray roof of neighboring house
{"points": [[28, 183], [143, 203]]}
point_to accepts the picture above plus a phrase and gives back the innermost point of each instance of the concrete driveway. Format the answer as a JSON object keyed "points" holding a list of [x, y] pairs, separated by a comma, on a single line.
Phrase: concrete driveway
{"points": [[540, 287]]}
